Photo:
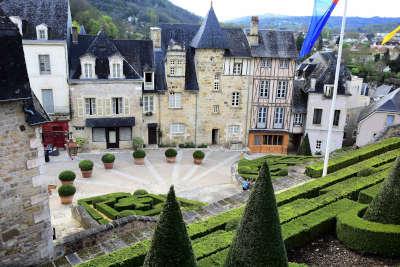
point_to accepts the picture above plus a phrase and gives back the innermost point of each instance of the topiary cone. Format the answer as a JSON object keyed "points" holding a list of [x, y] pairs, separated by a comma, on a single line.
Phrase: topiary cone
{"points": [[304, 148], [171, 244], [385, 207], [258, 241]]}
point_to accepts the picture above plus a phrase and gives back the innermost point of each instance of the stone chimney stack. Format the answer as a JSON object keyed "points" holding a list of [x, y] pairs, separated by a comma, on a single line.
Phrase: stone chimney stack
{"points": [[74, 32], [155, 36], [253, 36]]}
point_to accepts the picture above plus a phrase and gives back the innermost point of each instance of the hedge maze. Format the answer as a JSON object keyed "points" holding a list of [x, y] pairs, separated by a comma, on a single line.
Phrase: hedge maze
{"points": [[117, 205], [333, 204]]}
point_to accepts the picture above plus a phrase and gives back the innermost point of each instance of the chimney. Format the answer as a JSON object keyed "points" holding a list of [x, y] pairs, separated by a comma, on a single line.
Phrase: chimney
{"points": [[74, 31], [253, 36], [155, 36]]}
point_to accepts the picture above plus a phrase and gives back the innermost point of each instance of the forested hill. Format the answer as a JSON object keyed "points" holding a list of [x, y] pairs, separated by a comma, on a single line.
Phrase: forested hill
{"points": [[127, 18]]}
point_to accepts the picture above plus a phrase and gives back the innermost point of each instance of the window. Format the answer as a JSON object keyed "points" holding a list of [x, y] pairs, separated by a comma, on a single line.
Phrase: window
{"points": [[42, 35], [172, 71], [125, 133], [284, 64], [317, 116], [116, 70], [177, 128], [175, 100], [328, 89], [269, 140], [99, 134], [172, 62], [336, 118], [389, 120], [216, 82], [216, 109], [282, 88], [41, 32], [148, 77], [148, 104], [258, 140], [364, 90], [318, 145], [298, 119], [233, 130], [88, 71], [264, 88], [44, 64], [78, 128], [237, 69], [235, 99], [278, 119], [266, 63], [48, 100], [262, 118], [117, 105], [90, 106]]}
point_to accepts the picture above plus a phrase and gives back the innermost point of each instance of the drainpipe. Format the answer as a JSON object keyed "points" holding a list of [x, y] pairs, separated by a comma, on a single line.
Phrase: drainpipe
{"points": [[159, 119], [195, 119]]}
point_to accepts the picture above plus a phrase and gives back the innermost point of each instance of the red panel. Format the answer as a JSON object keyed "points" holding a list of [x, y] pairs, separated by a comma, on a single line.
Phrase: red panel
{"points": [[55, 133]]}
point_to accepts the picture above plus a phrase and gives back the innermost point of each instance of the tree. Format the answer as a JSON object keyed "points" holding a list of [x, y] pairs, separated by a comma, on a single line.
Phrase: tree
{"points": [[385, 207], [258, 241], [305, 148], [395, 65], [299, 41], [170, 245]]}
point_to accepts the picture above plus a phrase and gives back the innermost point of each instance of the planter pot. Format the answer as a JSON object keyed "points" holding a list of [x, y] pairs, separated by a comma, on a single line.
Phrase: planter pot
{"points": [[171, 159], [51, 187], [86, 174], [66, 200], [198, 161], [108, 166], [67, 182], [139, 161]]}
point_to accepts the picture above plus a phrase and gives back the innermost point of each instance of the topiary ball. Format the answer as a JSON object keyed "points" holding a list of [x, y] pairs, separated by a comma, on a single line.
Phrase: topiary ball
{"points": [[66, 190], [139, 154], [67, 176], [365, 172], [86, 165], [140, 192], [108, 158], [198, 154], [171, 153]]}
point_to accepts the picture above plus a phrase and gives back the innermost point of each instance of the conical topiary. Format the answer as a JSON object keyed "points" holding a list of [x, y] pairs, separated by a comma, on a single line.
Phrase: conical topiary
{"points": [[259, 240], [385, 207], [170, 245], [304, 148]]}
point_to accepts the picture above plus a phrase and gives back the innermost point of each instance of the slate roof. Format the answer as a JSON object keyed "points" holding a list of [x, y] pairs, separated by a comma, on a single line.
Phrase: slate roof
{"points": [[53, 13], [389, 103], [277, 44], [382, 90], [138, 55], [300, 98], [38, 115]]}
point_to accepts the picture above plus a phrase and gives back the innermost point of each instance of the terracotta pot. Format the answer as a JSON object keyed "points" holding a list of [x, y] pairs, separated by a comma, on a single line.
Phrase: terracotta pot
{"points": [[171, 159], [66, 200], [198, 161], [139, 161], [67, 182], [86, 174], [108, 166]]}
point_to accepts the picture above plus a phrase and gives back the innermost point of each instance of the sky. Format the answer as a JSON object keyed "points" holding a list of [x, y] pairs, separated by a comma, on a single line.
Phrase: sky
{"points": [[229, 9]]}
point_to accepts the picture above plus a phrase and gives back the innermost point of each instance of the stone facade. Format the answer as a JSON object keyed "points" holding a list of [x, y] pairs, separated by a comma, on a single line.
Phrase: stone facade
{"points": [[26, 233]]}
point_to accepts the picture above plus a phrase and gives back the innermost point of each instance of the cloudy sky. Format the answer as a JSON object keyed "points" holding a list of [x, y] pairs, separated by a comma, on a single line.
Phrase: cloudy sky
{"points": [[228, 9]]}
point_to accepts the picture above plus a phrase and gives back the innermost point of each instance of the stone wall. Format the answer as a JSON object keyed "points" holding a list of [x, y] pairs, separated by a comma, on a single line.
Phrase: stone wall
{"points": [[26, 233]]}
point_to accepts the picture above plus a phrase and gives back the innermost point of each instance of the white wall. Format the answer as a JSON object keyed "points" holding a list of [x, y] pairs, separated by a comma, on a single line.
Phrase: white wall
{"points": [[57, 80], [356, 100]]}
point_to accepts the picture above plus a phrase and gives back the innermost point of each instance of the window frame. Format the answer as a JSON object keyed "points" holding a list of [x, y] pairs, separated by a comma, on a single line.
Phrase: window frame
{"points": [[90, 105], [180, 126], [279, 118], [262, 118], [284, 63], [237, 68], [44, 61], [217, 83], [282, 88], [233, 130], [177, 101], [266, 63], [317, 120], [117, 105], [318, 145], [298, 119], [216, 109], [148, 103], [121, 136], [235, 99], [336, 118], [95, 140], [52, 104], [116, 70], [88, 70], [264, 88]]}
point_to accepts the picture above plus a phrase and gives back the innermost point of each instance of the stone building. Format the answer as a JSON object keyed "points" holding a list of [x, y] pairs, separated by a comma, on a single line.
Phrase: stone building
{"points": [[107, 78], [25, 228], [45, 28]]}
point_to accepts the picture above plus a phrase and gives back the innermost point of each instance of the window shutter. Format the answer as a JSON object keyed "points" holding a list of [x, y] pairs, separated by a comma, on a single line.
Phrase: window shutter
{"points": [[107, 107], [79, 106], [126, 106], [100, 106]]}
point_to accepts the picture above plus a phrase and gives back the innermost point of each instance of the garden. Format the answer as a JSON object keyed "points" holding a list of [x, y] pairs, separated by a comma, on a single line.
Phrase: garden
{"points": [[357, 203]]}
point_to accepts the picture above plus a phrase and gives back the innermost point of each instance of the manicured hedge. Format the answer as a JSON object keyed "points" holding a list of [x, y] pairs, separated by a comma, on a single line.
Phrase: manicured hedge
{"points": [[210, 244], [366, 236], [367, 195], [352, 157]]}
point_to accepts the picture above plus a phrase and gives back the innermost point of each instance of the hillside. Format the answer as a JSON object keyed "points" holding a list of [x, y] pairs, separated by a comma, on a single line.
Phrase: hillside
{"points": [[131, 18]]}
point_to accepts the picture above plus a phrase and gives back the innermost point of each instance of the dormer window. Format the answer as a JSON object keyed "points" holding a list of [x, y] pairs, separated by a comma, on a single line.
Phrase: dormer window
{"points": [[116, 71], [88, 66], [88, 74], [148, 81], [328, 90], [116, 67], [42, 32]]}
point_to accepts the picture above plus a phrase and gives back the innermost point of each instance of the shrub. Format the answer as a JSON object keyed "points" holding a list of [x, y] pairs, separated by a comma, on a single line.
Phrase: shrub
{"points": [[283, 172], [232, 224], [245, 170], [198, 154], [108, 158], [202, 146], [140, 192], [304, 148], [80, 141], [67, 176], [170, 153], [137, 143], [86, 165], [171, 244], [139, 154], [365, 172], [258, 241], [66, 190]]}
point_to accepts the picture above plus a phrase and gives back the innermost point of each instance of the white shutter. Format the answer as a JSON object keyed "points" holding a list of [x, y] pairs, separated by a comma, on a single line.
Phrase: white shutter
{"points": [[100, 106], [126, 106], [107, 107], [79, 106]]}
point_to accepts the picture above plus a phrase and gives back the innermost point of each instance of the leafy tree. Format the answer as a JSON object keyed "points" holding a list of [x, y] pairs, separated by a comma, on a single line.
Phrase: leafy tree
{"points": [[299, 41], [385, 207], [395, 65], [170, 245], [305, 148], [258, 241]]}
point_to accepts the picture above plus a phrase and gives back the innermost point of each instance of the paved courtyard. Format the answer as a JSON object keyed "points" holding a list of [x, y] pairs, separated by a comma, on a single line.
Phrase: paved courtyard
{"points": [[208, 182]]}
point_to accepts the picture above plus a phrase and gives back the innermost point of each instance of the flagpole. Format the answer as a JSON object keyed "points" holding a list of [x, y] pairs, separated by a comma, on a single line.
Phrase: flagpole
{"points": [[334, 94]]}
